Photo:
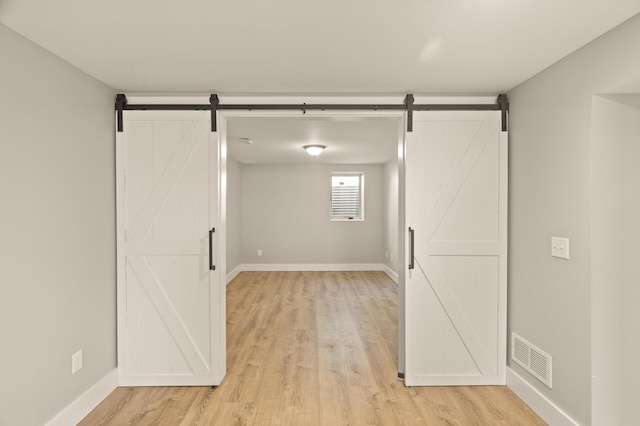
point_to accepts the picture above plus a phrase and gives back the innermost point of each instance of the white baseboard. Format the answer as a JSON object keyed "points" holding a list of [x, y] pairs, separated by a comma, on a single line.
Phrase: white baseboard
{"points": [[86, 402], [313, 267], [391, 273], [547, 410], [234, 273]]}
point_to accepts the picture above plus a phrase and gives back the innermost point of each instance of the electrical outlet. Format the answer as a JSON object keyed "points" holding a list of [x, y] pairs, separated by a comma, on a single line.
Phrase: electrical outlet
{"points": [[76, 361], [386, 254], [560, 247], [391, 257], [259, 252]]}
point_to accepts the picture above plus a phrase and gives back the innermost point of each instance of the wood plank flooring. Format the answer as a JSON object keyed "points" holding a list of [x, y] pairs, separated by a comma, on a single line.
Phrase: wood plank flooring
{"points": [[312, 348]]}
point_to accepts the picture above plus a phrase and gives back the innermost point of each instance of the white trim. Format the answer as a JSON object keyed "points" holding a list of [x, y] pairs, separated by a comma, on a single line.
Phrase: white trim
{"points": [[170, 100], [329, 114], [393, 275], [544, 407], [219, 325], [121, 312], [312, 99], [455, 100], [234, 273], [312, 267], [503, 211], [133, 99], [86, 402], [399, 99]]}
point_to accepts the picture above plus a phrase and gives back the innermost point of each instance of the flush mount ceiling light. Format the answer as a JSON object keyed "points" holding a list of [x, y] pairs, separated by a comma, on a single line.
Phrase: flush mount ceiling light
{"points": [[314, 150]]}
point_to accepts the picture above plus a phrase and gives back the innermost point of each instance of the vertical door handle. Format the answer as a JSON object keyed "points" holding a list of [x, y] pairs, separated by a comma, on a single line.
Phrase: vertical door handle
{"points": [[411, 266], [212, 267]]}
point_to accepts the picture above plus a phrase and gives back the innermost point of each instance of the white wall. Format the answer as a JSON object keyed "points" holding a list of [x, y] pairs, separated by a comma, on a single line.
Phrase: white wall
{"points": [[391, 215], [57, 250], [285, 212], [550, 195], [615, 252], [233, 214]]}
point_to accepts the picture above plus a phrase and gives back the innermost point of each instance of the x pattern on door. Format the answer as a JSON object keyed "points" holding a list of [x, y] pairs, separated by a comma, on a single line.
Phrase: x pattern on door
{"points": [[167, 190], [454, 294]]}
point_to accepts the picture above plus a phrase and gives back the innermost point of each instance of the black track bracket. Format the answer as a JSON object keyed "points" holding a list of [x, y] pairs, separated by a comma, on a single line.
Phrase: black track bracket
{"points": [[121, 101], [215, 101], [503, 103], [408, 103]]}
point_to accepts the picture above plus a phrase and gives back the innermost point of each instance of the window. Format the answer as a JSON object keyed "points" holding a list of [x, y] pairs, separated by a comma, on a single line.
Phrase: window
{"points": [[346, 196]]}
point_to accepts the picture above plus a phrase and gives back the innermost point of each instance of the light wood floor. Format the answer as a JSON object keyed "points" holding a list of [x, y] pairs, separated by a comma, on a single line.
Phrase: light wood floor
{"points": [[312, 348]]}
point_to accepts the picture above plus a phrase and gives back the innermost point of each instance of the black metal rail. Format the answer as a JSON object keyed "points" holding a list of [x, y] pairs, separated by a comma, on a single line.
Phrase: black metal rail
{"points": [[502, 104]]}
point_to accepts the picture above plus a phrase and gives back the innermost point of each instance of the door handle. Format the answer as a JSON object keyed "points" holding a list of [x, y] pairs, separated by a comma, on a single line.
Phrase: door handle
{"points": [[212, 267], [411, 266]]}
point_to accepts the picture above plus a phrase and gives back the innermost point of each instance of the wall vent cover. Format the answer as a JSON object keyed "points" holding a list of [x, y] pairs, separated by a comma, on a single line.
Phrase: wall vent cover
{"points": [[531, 358]]}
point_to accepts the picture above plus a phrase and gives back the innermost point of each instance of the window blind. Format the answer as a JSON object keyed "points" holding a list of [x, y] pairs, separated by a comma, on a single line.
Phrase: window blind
{"points": [[346, 197]]}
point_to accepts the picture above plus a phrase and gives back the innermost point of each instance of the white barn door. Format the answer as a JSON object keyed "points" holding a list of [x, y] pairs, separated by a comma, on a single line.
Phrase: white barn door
{"points": [[171, 303], [455, 276]]}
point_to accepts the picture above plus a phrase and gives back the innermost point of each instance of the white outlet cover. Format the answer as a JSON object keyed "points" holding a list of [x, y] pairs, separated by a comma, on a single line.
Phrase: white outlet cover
{"points": [[560, 247], [76, 361]]}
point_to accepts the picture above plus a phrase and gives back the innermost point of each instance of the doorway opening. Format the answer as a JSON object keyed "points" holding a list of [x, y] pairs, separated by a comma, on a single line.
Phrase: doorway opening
{"points": [[278, 204], [615, 208]]}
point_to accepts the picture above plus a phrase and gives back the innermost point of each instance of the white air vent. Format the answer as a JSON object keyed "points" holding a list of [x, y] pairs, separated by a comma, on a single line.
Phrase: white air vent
{"points": [[531, 358]]}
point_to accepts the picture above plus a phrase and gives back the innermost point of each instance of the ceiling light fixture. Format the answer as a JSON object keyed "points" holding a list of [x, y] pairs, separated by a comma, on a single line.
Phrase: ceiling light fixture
{"points": [[314, 150]]}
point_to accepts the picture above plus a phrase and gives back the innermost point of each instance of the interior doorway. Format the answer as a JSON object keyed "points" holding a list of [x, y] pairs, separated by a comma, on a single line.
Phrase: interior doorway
{"points": [[278, 196], [615, 231]]}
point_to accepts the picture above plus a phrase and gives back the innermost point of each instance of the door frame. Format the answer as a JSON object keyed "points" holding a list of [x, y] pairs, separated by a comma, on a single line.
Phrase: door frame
{"points": [[398, 116]]}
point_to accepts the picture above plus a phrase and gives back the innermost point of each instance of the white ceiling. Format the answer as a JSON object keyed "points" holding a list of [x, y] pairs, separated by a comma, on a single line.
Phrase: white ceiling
{"points": [[280, 140], [313, 47], [307, 47]]}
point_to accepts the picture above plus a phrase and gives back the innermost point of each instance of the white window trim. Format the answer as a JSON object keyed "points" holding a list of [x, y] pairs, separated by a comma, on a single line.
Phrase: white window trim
{"points": [[341, 219]]}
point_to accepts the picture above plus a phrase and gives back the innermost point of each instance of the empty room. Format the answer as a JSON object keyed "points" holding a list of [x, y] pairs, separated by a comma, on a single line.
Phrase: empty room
{"points": [[319, 212]]}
